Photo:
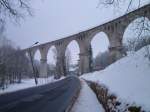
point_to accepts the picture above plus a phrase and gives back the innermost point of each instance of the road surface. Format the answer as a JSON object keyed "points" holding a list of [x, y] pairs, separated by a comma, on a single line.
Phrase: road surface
{"points": [[54, 97]]}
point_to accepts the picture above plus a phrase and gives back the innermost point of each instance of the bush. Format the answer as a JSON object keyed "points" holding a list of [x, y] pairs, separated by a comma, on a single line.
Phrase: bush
{"points": [[134, 109], [136, 44], [110, 102]]}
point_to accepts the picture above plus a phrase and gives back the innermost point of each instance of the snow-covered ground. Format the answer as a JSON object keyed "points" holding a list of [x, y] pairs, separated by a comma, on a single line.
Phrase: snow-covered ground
{"points": [[87, 101], [128, 78], [27, 83]]}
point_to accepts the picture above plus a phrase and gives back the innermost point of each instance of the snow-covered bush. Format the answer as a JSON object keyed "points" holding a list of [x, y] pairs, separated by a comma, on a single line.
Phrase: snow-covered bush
{"points": [[110, 101], [137, 43]]}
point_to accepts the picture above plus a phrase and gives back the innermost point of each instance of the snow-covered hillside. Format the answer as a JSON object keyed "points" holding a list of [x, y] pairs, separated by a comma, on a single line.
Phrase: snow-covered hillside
{"points": [[128, 78]]}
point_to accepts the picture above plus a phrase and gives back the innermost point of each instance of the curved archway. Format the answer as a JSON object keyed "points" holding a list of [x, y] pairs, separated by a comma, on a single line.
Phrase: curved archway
{"points": [[28, 58], [99, 45], [51, 61], [72, 58], [36, 62], [37, 55], [135, 32], [27, 55]]}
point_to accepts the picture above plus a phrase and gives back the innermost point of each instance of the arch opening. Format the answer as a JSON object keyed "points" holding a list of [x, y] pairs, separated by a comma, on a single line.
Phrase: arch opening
{"points": [[27, 55], [36, 62], [72, 58], [51, 61], [100, 53], [28, 58], [137, 34]]}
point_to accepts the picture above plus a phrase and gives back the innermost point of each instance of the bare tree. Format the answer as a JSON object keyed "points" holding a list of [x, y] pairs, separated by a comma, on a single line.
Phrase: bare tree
{"points": [[13, 65], [117, 3], [141, 27], [101, 60], [14, 10], [4, 41], [51, 69], [144, 25], [67, 61], [2, 75]]}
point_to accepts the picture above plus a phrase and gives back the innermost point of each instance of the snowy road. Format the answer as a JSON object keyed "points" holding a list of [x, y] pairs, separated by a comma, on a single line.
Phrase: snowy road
{"points": [[55, 97]]}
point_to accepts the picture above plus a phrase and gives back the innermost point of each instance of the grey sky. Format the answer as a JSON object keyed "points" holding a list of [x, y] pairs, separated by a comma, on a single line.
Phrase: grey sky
{"points": [[54, 19], [100, 43]]}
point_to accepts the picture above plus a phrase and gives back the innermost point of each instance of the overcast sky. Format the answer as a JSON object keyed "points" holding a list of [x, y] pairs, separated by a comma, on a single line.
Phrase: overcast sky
{"points": [[55, 19]]}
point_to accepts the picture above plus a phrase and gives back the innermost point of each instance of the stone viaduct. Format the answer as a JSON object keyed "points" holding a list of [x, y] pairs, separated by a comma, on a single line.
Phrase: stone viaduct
{"points": [[113, 29]]}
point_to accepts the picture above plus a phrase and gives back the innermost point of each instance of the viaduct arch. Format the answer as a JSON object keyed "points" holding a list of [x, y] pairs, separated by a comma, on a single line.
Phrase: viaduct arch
{"points": [[114, 29]]}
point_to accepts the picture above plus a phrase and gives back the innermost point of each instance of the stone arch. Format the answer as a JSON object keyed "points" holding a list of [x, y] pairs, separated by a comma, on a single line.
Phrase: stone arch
{"points": [[37, 54], [51, 60], [92, 34], [31, 52], [103, 40], [60, 63], [131, 18], [132, 30], [73, 44], [70, 41], [100, 45], [49, 52]]}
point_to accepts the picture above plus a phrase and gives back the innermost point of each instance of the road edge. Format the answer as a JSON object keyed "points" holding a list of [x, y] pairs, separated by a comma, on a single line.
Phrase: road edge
{"points": [[74, 98]]}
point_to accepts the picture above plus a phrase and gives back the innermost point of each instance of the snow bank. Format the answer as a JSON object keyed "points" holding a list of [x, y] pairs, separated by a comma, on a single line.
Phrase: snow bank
{"points": [[27, 83], [87, 101], [128, 78]]}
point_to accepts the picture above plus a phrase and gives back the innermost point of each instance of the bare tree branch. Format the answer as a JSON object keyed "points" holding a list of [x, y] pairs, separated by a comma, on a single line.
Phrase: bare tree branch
{"points": [[14, 10]]}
